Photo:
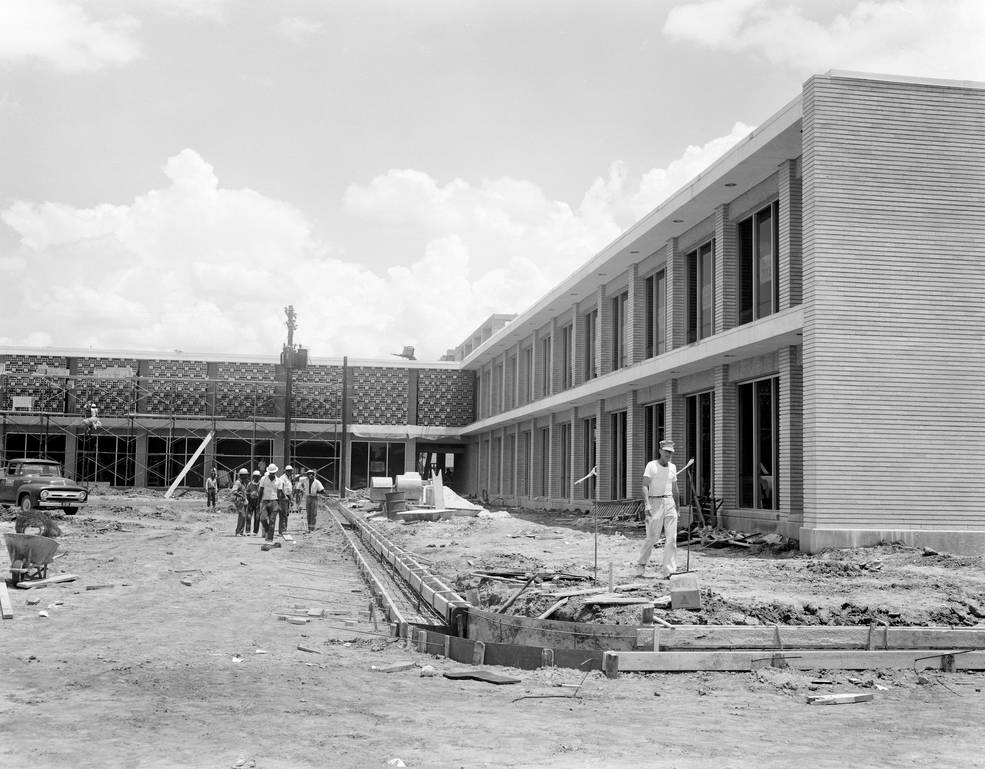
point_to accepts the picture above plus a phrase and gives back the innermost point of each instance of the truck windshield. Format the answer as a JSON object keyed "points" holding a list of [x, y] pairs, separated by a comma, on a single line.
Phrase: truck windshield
{"points": [[39, 469]]}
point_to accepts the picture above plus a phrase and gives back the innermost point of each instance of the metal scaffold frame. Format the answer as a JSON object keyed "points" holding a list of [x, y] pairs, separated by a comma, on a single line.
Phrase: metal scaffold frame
{"points": [[176, 426]]}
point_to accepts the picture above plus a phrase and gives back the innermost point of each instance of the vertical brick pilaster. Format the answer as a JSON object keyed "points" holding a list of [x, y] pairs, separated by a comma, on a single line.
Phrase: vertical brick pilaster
{"points": [[636, 317], [578, 455], [523, 396], [676, 293], [540, 364], [516, 384], [537, 469], [725, 467], [791, 236], [554, 458], [635, 453], [555, 357], [790, 491], [674, 415], [578, 345], [603, 348], [726, 278], [604, 453]]}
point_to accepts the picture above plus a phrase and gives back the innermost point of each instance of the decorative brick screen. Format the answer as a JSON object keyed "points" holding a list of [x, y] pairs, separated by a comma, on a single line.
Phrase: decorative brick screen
{"points": [[378, 396], [445, 397]]}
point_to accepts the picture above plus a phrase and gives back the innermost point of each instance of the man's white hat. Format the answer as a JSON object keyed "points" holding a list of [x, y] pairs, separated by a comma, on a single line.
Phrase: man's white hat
{"points": [[667, 446], [271, 468], [244, 471]]}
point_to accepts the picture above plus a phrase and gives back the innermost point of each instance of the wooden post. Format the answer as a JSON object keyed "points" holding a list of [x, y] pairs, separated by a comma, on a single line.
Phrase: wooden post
{"points": [[479, 653], [610, 664]]}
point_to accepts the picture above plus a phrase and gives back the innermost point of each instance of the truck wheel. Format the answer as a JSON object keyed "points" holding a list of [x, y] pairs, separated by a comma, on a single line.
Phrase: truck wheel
{"points": [[71, 510], [26, 504]]}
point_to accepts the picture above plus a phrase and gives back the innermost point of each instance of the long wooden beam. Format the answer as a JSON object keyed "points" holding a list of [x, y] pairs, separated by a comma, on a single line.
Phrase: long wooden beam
{"points": [[915, 659], [191, 463]]}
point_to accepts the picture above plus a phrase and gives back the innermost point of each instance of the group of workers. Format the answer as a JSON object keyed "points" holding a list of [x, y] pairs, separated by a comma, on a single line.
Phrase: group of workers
{"points": [[266, 499]]}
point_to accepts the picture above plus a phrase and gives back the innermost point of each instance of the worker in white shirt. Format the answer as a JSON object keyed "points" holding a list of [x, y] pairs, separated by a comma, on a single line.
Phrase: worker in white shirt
{"points": [[286, 482], [313, 489], [269, 501], [660, 497]]}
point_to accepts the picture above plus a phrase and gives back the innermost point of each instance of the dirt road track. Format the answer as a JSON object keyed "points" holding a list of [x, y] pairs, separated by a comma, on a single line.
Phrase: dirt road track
{"points": [[157, 674]]}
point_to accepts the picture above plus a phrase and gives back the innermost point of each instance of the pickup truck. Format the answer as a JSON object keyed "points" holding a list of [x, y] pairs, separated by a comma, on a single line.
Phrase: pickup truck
{"points": [[39, 484]]}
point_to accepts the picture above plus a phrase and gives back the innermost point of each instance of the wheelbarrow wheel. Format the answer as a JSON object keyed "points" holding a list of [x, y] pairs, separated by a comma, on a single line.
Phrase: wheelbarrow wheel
{"points": [[16, 572]]}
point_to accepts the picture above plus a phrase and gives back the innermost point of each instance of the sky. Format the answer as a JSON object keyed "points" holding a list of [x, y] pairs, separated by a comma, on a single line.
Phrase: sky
{"points": [[173, 173]]}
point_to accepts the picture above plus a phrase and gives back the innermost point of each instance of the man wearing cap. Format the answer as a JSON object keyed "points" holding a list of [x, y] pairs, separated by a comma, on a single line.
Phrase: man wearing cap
{"points": [[660, 496], [239, 500], [253, 502], [269, 501], [286, 482], [211, 489], [313, 488]]}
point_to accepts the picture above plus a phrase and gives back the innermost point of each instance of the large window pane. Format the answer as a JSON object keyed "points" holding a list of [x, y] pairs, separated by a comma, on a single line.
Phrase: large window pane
{"points": [[758, 444], [764, 263]]}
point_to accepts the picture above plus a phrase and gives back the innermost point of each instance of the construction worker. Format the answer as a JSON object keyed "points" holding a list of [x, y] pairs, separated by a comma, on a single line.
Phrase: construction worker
{"points": [[286, 496], [253, 502], [240, 501], [300, 489], [91, 422], [313, 487], [270, 491], [660, 497], [211, 489]]}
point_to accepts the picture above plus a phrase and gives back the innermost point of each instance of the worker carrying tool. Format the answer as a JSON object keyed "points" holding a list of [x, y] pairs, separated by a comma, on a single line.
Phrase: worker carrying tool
{"points": [[660, 497]]}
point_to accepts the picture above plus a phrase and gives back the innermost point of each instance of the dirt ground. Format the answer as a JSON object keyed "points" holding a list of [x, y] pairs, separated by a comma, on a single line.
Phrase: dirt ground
{"points": [[145, 671]]}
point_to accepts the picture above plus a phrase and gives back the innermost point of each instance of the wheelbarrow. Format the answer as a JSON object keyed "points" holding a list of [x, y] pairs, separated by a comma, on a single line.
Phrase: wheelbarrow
{"points": [[30, 555]]}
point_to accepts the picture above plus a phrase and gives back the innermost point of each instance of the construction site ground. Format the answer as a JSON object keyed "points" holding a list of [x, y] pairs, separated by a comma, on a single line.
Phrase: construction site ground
{"points": [[167, 651]]}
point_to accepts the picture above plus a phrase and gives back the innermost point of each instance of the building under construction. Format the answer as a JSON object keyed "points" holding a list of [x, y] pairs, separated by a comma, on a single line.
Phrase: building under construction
{"points": [[804, 319]]}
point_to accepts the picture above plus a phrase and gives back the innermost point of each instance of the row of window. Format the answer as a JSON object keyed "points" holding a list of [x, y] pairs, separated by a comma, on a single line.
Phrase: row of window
{"points": [[756, 436], [757, 296]]}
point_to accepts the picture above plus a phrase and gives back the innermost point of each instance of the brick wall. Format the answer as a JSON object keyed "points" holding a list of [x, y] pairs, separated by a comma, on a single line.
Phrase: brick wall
{"points": [[444, 397], [183, 397], [244, 390], [48, 393], [378, 396], [317, 393], [115, 397]]}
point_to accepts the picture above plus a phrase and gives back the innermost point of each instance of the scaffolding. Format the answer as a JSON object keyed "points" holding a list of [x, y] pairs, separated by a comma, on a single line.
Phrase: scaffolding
{"points": [[151, 425]]}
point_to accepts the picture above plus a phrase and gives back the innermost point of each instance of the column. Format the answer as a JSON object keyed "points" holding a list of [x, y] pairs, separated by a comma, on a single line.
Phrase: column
{"points": [[604, 453], [636, 312], [603, 346], [790, 490], [725, 468], [578, 347], [139, 457], [674, 414], [676, 294], [791, 236], [726, 279], [635, 456]]}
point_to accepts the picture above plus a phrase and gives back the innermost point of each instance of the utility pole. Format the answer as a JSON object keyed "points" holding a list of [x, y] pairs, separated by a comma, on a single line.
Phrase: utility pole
{"points": [[287, 358]]}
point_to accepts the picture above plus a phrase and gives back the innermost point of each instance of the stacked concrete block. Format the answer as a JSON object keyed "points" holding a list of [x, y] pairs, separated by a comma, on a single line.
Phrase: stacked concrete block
{"points": [[244, 390], [378, 396], [444, 397], [115, 397], [21, 379]]}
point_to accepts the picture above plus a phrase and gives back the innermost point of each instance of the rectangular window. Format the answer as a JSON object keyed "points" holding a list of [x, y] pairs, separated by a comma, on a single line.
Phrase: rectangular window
{"points": [[701, 292], [590, 443], [618, 463], [545, 369], [374, 459], [620, 349], [36, 446], [566, 353], [758, 444], [564, 459], [544, 449], [112, 459], [655, 311], [166, 457], [759, 291], [479, 389], [591, 343], [699, 413], [653, 430], [497, 389]]}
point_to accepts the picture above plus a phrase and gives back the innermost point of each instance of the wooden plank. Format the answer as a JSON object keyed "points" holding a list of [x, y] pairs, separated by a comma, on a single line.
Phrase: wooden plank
{"points": [[801, 660], [839, 699], [480, 675], [574, 592], [190, 464], [819, 637], [6, 607], [492, 627], [48, 581], [553, 609], [616, 599]]}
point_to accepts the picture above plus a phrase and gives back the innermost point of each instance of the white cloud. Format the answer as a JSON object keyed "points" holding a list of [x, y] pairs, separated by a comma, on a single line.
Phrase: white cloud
{"points": [[298, 29], [211, 10], [926, 38], [61, 34], [199, 267]]}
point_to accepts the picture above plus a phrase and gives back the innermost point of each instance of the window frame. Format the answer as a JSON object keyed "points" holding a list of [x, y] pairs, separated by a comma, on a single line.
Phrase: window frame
{"points": [[700, 274]]}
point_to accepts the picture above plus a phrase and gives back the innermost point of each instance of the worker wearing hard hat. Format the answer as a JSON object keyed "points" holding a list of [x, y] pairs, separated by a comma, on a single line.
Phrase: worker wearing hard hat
{"points": [[269, 501], [286, 482], [240, 501]]}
